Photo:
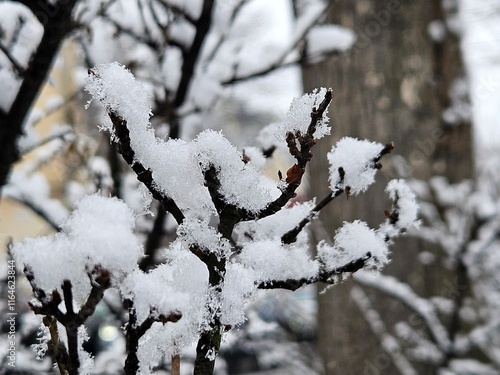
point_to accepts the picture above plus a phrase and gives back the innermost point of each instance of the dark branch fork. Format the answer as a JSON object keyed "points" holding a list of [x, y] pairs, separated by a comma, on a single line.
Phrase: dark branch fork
{"points": [[67, 359], [134, 332]]}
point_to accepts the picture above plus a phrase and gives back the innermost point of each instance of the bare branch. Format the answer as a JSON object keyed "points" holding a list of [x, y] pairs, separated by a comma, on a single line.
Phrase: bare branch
{"points": [[280, 60], [191, 58], [291, 236], [56, 28]]}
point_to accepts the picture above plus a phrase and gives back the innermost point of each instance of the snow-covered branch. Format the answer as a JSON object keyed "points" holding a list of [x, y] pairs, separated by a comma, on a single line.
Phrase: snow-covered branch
{"points": [[422, 307], [388, 342]]}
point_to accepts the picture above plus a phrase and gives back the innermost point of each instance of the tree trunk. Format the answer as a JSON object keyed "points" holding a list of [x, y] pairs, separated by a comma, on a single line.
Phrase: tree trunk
{"points": [[393, 86]]}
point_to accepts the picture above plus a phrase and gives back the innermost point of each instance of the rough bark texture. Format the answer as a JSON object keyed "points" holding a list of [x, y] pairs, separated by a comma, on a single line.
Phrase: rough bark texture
{"points": [[393, 86]]}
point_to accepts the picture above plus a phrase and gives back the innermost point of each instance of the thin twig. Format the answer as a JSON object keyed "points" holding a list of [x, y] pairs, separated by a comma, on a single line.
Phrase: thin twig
{"points": [[303, 155]]}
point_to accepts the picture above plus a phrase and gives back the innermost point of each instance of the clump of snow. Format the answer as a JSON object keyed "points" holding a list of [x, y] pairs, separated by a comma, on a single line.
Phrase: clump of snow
{"points": [[356, 157], [116, 88], [459, 111], [298, 116], [239, 288], [152, 294], [98, 233], [185, 274], [354, 241], [176, 170], [437, 31], [324, 39], [272, 260], [198, 232], [240, 182]]}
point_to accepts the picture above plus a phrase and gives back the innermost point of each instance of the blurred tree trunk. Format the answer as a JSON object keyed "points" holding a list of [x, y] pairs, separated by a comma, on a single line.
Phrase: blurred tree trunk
{"points": [[393, 86]]}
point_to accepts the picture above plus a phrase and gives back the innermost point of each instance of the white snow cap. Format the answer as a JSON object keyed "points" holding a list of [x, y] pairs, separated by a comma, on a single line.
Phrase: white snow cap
{"points": [[298, 116], [240, 182], [272, 260], [354, 241], [98, 233], [355, 157]]}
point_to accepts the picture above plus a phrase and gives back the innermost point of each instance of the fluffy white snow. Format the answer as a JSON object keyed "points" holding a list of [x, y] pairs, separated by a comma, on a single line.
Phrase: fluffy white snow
{"points": [[298, 116], [98, 233], [354, 241], [356, 158], [177, 165]]}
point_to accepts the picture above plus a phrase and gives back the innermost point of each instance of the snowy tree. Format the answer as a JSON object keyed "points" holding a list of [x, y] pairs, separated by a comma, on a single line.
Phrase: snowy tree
{"points": [[232, 238], [210, 199]]}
